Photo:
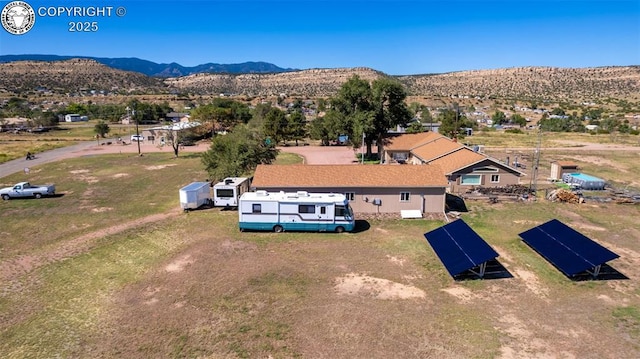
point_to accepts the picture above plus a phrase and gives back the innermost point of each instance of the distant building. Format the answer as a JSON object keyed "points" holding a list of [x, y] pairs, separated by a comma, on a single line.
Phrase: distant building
{"points": [[72, 117]]}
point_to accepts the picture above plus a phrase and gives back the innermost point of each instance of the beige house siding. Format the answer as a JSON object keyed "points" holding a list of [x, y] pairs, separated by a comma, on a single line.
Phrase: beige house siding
{"points": [[505, 177], [427, 200]]}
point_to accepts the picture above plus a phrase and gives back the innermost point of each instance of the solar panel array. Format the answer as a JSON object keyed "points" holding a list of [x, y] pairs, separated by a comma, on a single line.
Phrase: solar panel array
{"points": [[567, 249], [459, 248]]}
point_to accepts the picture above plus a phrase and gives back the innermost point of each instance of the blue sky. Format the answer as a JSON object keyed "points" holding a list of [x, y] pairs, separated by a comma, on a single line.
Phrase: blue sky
{"points": [[396, 37]]}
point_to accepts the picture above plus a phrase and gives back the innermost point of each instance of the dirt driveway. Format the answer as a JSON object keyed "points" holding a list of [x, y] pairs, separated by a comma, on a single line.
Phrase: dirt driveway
{"points": [[324, 155]]}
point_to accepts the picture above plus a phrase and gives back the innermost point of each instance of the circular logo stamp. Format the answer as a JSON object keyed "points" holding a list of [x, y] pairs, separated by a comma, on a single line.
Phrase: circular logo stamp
{"points": [[18, 17]]}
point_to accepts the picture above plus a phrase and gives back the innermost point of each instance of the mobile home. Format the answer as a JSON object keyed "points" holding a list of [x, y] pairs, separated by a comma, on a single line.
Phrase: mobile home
{"points": [[227, 192], [72, 117], [299, 211]]}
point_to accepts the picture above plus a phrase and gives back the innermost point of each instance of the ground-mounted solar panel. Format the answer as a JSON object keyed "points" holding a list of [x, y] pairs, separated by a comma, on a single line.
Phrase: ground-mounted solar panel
{"points": [[460, 249], [567, 249]]}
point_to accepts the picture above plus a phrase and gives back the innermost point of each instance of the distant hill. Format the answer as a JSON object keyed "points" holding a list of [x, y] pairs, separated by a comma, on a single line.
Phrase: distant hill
{"points": [[153, 69], [521, 82], [536, 83], [74, 76]]}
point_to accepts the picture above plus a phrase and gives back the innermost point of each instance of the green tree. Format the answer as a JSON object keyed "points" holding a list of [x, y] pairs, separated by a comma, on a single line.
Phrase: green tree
{"points": [[101, 128], [237, 153], [258, 115], [322, 105], [371, 109], [452, 124], [221, 115], [318, 130], [518, 120], [415, 127], [499, 118], [297, 126], [276, 125], [76, 108]]}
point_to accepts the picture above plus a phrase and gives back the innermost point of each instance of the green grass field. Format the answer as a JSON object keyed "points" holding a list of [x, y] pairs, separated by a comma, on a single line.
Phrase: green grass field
{"points": [[113, 268]]}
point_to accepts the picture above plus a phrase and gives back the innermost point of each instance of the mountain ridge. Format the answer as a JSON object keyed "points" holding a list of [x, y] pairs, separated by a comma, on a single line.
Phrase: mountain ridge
{"points": [[154, 69]]}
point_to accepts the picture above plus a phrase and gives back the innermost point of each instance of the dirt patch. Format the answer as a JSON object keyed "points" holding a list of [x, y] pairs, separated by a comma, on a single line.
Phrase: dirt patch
{"points": [[81, 175], [462, 294], [396, 260], [362, 285], [120, 175], [101, 209], [532, 282], [179, 264], [159, 167]]}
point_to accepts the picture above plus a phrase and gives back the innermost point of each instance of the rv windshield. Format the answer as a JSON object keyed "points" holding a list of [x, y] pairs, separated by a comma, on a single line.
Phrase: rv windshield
{"points": [[344, 211]]}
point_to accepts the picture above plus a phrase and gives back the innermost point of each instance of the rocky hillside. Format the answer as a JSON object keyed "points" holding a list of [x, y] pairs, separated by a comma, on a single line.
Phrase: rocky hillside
{"points": [[73, 76], [531, 82], [315, 82], [78, 75], [523, 82]]}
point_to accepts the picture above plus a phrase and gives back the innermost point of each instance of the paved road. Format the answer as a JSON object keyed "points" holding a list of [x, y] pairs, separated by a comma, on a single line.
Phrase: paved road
{"points": [[20, 164]]}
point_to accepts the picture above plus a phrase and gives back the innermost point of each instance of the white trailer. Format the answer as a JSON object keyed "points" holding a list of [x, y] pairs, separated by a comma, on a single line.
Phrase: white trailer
{"points": [[194, 195], [299, 211], [227, 192]]}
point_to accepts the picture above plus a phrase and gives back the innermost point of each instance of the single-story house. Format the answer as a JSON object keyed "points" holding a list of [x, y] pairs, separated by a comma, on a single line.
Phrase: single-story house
{"points": [[462, 166], [160, 133], [177, 117], [558, 168], [369, 188]]}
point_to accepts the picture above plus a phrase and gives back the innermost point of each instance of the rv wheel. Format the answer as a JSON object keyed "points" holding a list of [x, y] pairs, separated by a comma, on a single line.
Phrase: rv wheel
{"points": [[339, 229], [278, 229]]}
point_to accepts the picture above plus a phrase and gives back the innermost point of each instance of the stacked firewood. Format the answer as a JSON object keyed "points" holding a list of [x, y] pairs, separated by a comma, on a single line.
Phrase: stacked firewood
{"points": [[563, 195]]}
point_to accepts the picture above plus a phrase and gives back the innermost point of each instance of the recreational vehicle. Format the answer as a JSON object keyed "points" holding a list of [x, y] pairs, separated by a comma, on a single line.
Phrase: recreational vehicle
{"points": [[299, 211], [227, 192]]}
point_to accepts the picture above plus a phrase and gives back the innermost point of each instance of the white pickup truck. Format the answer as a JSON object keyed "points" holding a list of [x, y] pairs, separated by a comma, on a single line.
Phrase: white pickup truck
{"points": [[25, 189]]}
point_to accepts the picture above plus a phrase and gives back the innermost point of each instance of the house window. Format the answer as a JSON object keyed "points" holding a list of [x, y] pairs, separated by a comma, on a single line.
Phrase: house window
{"points": [[400, 156], [495, 178], [256, 208], [306, 208], [351, 196], [471, 180], [404, 196]]}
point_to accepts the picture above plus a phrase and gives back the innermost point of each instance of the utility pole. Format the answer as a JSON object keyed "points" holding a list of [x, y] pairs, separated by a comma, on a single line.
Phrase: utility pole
{"points": [[533, 182], [362, 150], [137, 131]]}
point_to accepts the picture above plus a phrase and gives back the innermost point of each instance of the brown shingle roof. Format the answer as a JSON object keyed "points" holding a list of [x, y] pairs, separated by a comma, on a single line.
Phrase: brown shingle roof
{"points": [[457, 160], [408, 141], [436, 148], [348, 176]]}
